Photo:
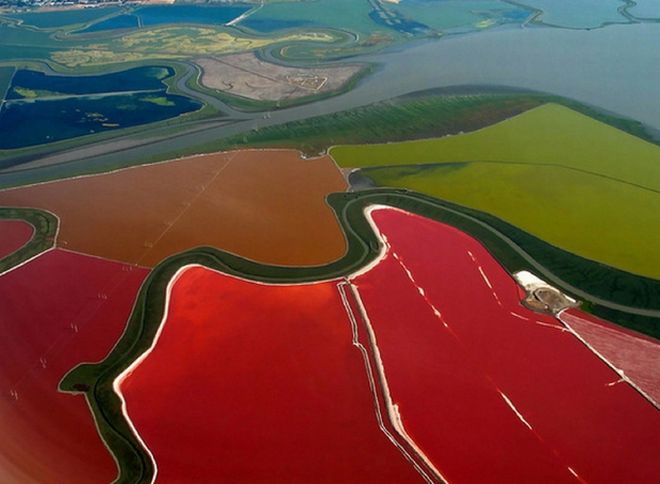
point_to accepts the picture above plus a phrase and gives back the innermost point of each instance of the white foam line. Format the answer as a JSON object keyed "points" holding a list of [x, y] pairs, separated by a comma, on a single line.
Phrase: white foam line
{"points": [[516, 315], [384, 245], [372, 382], [392, 409], [483, 275], [116, 384], [616, 369], [420, 289], [540, 323], [245, 15], [548, 325], [611, 384], [515, 410], [106, 259]]}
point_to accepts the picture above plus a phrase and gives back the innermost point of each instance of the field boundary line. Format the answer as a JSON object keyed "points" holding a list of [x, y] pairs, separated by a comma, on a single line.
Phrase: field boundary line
{"points": [[372, 382], [616, 369]]}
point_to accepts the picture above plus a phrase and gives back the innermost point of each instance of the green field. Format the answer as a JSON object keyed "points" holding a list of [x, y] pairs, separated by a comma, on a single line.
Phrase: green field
{"points": [[555, 173]]}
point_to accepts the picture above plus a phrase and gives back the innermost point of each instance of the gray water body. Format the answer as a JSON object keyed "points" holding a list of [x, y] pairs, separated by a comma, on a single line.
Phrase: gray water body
{"points": [[616, 68]]}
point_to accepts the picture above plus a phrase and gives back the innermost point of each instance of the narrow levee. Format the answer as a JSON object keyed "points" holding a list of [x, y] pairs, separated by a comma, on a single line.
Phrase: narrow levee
{"points": [[14, 234]]}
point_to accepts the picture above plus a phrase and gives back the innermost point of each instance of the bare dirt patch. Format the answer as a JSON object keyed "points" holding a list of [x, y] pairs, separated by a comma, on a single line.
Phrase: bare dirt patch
{"points": [[247, 76]]}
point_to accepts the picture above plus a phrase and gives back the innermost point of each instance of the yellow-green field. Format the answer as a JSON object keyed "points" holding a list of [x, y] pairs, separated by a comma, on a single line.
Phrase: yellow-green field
{"points": [[173, 43], [550, 134], [574, 182]]}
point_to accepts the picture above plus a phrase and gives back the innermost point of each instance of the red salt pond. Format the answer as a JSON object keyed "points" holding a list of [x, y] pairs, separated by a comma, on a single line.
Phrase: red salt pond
{"points": [[57, 311], [14, 234], [250, 382], [488, 390], [636, 356]]}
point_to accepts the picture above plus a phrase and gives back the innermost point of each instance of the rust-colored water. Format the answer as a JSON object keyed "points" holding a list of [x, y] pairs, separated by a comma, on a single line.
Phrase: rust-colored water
{"points": [[264, 205]]}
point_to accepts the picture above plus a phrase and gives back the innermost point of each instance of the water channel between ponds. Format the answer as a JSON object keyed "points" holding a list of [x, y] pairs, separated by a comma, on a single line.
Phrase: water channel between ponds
{"points": [[614, 68]]}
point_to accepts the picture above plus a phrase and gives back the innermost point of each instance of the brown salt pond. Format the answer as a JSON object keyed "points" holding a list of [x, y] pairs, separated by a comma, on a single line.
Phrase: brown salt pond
{"points": [[265, 205]]}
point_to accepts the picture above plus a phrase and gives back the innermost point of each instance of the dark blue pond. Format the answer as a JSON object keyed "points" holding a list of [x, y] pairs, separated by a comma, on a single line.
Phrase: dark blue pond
{"points": [[193, 14], [271, 25], [119, 22], [70, 106], [138, 79], [61, 18], [27, 123], [170, 14]]}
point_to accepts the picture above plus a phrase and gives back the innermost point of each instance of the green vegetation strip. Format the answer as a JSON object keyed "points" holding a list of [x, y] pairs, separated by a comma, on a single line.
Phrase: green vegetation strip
{"points": [[424, 114], [96, 380], [432, 113], [45, 225]]}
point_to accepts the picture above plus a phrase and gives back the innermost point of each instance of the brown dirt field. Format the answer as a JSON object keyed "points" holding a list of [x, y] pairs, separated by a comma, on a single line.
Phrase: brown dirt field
{"points": [[264, 205], [248, 76]]}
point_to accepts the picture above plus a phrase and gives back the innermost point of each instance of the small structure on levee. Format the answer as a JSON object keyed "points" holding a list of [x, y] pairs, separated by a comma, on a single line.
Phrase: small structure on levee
{"points": [[541, 296]]}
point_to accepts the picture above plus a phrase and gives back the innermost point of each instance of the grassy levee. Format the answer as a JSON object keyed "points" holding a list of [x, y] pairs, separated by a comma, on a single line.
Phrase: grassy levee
{"points": [[434, 113], [96, 380], [45, 230], [424, 114]]}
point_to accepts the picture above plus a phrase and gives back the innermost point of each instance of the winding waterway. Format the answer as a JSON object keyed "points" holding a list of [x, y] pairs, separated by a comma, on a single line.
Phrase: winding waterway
{"points": [[615, 68]]}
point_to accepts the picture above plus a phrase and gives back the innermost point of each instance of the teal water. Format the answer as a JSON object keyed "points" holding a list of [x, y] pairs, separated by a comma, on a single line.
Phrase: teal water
{"points": [[578, 14], [50, 20], [127, 21], [195, 14], [646, 9]]}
